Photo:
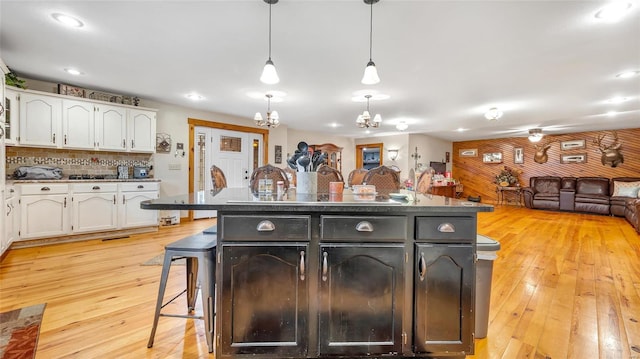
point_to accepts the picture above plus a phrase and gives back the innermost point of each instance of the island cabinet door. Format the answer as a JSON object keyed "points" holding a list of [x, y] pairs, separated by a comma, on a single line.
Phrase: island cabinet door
{"points": [[361, 299], [444, 297], [264, 295]]}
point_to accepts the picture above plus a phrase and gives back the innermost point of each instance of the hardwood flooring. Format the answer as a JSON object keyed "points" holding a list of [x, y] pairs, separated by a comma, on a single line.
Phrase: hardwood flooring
{"points": [[565, 285]]}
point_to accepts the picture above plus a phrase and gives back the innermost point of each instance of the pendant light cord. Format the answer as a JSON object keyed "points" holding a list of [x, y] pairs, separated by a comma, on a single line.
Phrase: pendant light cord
{"points": [[269, 30], [371, 32]]}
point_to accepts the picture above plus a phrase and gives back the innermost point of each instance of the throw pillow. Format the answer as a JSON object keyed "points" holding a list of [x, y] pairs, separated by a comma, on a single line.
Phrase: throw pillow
{"points": [[626, 189]]}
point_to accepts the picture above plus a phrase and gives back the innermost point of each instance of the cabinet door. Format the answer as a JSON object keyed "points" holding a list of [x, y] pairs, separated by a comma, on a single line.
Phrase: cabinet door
{"points": [[10, 221], [131, 215], [43, 216], [11, 119], [361, 299], [78, 125], [94, 212], [444, 298], [141, 130], [111, 127], [40, 118], [264, 292]]}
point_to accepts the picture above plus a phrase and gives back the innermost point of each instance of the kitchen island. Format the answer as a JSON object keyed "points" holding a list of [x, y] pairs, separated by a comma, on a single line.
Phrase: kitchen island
{"points": [[307, 276]]}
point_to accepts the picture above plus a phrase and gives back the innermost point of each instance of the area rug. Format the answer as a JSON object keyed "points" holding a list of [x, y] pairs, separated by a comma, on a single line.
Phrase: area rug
{"points": [[159, 260], [19, 331]]}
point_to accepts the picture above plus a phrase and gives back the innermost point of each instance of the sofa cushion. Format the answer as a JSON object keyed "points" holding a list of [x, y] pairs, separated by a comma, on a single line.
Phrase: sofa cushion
{"points": [[626, 189], [590, 198], [592, 186], [546, 196], [547, 185]]}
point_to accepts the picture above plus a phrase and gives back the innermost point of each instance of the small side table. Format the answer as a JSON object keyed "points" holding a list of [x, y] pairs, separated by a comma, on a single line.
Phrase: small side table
{"points": [[514, 191]]}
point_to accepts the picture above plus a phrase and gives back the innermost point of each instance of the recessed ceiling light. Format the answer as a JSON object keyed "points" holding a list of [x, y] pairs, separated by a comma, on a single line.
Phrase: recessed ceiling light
{"points": [[493, 114], [67, 20], [614, 10], [628, 74], [461, 129], [73, 72], [194, 97], [611, 113], [618, 99]]}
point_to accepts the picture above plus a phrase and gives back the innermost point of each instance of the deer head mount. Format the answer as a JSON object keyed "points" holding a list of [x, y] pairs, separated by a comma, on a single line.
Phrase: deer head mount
{"points": [[541, 151], [611, 154]]}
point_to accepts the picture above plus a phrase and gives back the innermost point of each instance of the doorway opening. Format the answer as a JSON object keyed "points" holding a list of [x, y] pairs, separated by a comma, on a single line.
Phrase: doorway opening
{"points": [[369, 155]]}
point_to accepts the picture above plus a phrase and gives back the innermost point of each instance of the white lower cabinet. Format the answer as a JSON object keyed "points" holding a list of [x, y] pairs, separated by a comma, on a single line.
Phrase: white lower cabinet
{"points": [[94, 207], [130, 196], [11, 207], [44, 210]]}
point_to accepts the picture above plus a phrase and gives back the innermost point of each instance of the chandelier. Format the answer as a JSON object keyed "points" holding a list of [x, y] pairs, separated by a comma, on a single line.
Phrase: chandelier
{"points": [[272, 120], [364, 120]]}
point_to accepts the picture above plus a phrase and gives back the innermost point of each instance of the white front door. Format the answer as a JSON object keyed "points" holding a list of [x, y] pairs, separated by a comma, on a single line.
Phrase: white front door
{"points": [[237, 154]]}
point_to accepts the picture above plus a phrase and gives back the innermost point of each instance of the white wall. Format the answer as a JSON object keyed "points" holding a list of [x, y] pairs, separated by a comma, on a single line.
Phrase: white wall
{"points": [[393, 142], [315, 138], [430, 149]]}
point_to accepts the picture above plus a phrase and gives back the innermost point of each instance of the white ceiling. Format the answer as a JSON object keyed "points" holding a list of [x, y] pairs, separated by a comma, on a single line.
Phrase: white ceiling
{"points": [[548, 64]]}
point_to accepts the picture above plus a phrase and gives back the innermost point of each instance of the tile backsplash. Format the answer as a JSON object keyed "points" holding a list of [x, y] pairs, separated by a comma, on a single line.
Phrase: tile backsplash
{"points": [[74, 162]]}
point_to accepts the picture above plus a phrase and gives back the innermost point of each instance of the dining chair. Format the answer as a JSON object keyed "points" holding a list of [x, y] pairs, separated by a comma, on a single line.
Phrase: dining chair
{"points": [[356, 176], [384, 178], [268, 172], [327, 174], [291, 176], [218, 178], [424, 182]]}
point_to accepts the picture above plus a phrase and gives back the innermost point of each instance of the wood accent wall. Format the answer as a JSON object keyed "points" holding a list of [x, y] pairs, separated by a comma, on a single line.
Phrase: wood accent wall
{"points": [[478, 177]]}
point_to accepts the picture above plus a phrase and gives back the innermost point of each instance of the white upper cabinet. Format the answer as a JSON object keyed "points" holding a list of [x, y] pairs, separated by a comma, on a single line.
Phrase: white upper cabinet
{"points": [[77, 125], [11, 111], [141, 130], [111, 127], [40, 117]]}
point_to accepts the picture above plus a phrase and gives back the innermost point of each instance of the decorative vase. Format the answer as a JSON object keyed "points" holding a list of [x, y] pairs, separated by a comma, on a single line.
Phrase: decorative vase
{"points": [[307, 182]]}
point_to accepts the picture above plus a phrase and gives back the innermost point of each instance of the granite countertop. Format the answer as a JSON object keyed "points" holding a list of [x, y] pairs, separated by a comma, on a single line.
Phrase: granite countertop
{"points": [[241, 199], [67, 180]]}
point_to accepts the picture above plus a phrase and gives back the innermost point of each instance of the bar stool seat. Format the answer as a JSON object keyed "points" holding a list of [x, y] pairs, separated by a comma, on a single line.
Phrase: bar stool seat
{"points": [[200, 252]]}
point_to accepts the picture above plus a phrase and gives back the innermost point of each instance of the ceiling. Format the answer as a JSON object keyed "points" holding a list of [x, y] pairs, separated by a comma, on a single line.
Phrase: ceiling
{"points": [[547, 64]]}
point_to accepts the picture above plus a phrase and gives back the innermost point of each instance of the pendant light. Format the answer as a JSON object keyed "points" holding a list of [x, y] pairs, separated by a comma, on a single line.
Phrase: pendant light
{"points": [[269, 74], [364, 120], [272, 120], [370, 73]]}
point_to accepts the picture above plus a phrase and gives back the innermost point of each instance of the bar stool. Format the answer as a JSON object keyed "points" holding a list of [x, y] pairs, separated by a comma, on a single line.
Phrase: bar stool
{"points": [[200, 252]]}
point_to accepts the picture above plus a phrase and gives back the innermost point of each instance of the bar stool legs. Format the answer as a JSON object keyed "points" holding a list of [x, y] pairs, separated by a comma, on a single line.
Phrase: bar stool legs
{"points": [[199, 252]]}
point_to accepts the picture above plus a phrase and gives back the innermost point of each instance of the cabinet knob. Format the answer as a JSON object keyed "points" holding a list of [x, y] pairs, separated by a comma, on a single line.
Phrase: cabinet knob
{"points": [[95, 187], [266, 226], [364, 226], [140, 186], [446, 228], [45, 189]]}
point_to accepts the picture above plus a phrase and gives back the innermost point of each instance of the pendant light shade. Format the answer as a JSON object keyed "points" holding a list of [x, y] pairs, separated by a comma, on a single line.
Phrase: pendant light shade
{"points": [[370, 72], [272, 120], [269, 75], [364, 120]]}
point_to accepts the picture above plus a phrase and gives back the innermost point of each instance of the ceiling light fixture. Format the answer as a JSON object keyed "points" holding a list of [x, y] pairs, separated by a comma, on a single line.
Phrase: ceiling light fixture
{"points": [[272, 120], [493, 114], [370, 73], [614, 10], [73, 72], [401, 126], [269, 74], [616, 100], [67, 20], [364, 120], [535, 134], [628, 74], [194, 97]]}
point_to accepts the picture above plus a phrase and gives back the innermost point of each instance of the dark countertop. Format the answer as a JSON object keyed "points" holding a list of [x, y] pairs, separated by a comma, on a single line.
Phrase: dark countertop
{"points": [[66, 180], [241, 199]]}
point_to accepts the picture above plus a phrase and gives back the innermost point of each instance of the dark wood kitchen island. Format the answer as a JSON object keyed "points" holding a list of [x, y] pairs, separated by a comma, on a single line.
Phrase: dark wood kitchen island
{"points": [[344, 276]]}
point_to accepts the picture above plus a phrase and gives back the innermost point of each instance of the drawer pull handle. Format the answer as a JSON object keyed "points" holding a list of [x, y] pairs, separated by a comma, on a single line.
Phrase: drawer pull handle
{"points": [[96, 187], [324, 266], [364, 226], [140, 186], [446, 228], [266, 226], [302, 269], [422, 267], [45, 189]]}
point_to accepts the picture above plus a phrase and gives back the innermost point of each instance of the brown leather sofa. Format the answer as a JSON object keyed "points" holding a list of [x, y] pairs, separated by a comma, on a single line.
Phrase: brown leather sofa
{"points": [[582, 194], [543, 192]]}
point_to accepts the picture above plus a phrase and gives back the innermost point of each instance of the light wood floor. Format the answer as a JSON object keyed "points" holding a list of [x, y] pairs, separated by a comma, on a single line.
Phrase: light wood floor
{"points": [[564, 286]]}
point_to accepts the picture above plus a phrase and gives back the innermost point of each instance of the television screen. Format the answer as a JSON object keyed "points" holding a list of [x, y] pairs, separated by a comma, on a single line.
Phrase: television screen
{"points": [[438, 167]]}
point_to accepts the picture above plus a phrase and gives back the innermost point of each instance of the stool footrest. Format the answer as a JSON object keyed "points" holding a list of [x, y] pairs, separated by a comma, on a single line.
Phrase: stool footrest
{"points": [[182, 316]]}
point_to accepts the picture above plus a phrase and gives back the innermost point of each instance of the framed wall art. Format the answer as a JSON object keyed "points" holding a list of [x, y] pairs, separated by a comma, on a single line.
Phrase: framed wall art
{"points": [[574, 158], [278, 154], [469, 152], [518, 155], [71, 90], [573, 145], [492, 157]]}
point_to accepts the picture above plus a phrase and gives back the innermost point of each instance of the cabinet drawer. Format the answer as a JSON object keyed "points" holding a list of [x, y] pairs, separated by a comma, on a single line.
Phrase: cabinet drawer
{"points": [[139, 186], [258, 228], [94, 187], [363, 228], [44, 188], [446, 229]]}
